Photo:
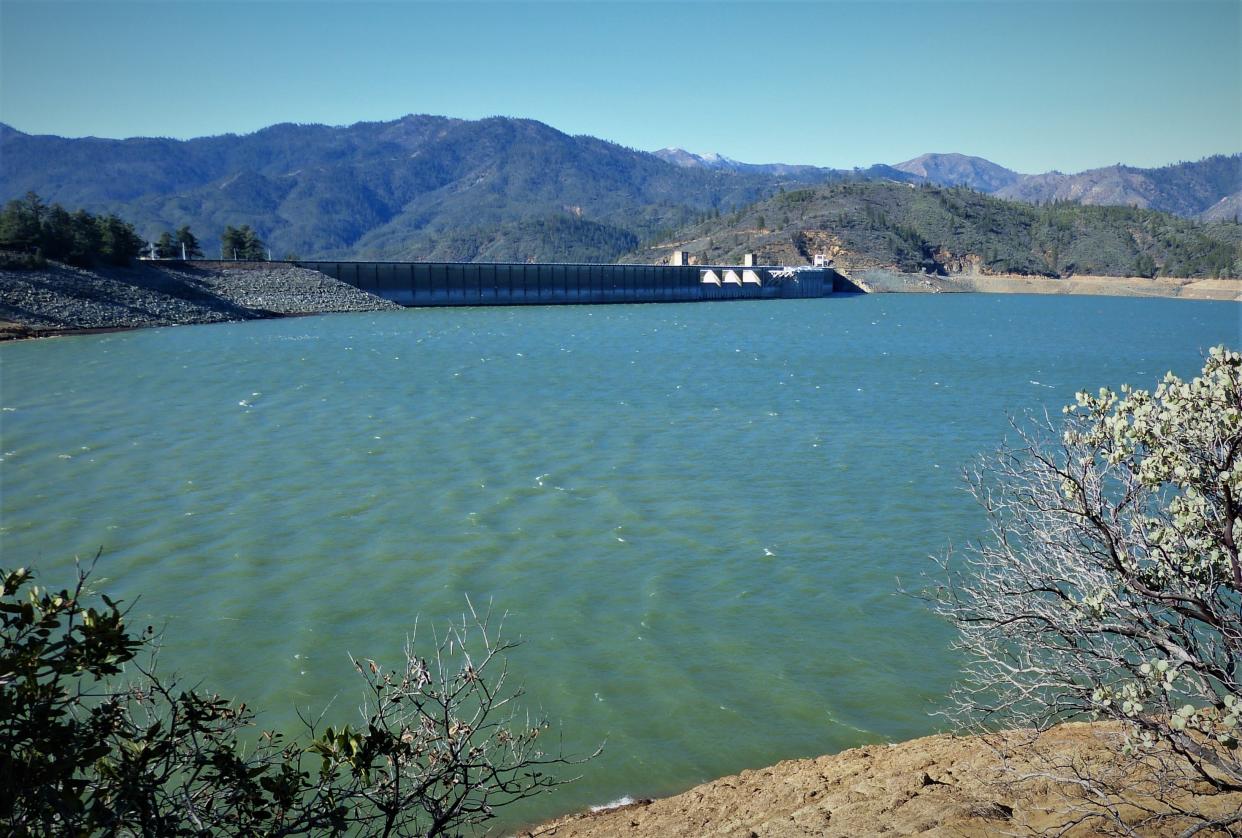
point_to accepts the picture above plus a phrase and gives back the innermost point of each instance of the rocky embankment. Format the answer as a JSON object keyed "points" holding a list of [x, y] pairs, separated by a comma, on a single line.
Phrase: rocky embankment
{"points": [[62, 299], [1013, 783]]}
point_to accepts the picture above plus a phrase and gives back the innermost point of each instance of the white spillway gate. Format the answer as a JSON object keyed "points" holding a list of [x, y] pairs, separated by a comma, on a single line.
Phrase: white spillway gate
{"points": [[745, 276]]}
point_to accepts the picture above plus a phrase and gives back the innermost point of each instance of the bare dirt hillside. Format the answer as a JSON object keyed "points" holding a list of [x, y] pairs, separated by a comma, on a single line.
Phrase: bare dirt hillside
{"points": [[1110, 286]]}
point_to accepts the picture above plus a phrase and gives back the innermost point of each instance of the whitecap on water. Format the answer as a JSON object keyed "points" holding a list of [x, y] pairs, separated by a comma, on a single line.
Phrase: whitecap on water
{"points": [[616, 804]]}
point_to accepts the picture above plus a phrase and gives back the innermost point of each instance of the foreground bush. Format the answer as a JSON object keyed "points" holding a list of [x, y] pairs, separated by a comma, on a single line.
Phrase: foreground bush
{"points": [[1111, 587], [93, 741]]}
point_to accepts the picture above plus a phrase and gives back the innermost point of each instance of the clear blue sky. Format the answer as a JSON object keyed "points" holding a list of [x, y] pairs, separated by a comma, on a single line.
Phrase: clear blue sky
{"points": [[1031, 85]]}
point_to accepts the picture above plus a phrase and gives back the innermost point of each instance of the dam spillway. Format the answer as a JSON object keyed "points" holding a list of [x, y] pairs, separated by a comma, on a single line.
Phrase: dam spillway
{"points": [[500, 284]]}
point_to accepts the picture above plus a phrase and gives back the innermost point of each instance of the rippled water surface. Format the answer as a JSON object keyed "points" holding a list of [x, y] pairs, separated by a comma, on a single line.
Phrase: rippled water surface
{"points": [[695, 515]]}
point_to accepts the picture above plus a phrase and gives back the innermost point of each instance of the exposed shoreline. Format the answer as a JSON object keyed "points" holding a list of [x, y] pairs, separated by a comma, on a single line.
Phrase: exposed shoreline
{"points": [[936, 785], [63, 300], [885, 281]]}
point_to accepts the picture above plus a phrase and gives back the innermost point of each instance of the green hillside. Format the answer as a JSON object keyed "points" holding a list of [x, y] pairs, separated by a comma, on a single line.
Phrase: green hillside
{"points": [[952, 230]]}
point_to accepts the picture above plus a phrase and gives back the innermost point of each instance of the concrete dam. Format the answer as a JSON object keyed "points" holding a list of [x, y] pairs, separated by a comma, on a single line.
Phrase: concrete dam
{"points": [[500, 284]]}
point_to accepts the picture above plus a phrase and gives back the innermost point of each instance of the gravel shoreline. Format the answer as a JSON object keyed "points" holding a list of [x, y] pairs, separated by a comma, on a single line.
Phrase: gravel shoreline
{"points": [[61, 299]]}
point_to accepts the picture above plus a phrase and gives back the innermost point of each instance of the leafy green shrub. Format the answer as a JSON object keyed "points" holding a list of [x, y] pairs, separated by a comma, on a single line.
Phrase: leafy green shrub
{"points": [[93, 741]]}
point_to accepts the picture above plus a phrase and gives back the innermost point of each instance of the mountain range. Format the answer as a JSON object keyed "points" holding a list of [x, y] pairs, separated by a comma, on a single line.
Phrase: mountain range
{"points": [[417, 187], [1208, 189], [431, 187]]}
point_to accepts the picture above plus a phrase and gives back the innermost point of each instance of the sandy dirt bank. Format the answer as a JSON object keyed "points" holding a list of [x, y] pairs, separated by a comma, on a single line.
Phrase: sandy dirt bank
{"points": [[1111, 286], [938, 785]]}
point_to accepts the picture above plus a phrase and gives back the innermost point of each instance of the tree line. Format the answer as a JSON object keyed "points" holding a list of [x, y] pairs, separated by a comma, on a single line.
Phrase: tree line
{"points": [[32, 232], [35, 232]]}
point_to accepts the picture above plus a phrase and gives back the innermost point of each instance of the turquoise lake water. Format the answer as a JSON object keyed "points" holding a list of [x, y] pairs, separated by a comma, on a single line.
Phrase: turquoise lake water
{"points": [[695, 515]]}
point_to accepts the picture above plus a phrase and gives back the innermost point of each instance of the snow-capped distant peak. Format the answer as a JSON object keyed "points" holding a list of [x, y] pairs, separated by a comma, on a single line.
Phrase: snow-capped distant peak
{"points": [[688, 159]]}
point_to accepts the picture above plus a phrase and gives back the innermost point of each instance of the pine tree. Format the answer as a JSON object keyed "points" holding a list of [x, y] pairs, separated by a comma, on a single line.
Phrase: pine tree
{"points": [[253, 248], [56, 236], [119, 242], [165, 247], [232, 244], [187, 240], [86, 240], [20, 224], [243, 243]]}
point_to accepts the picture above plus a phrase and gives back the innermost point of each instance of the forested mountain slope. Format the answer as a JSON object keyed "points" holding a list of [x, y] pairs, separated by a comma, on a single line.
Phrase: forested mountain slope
{"points": [[431, 187], [862, 224], [383, 189]]}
